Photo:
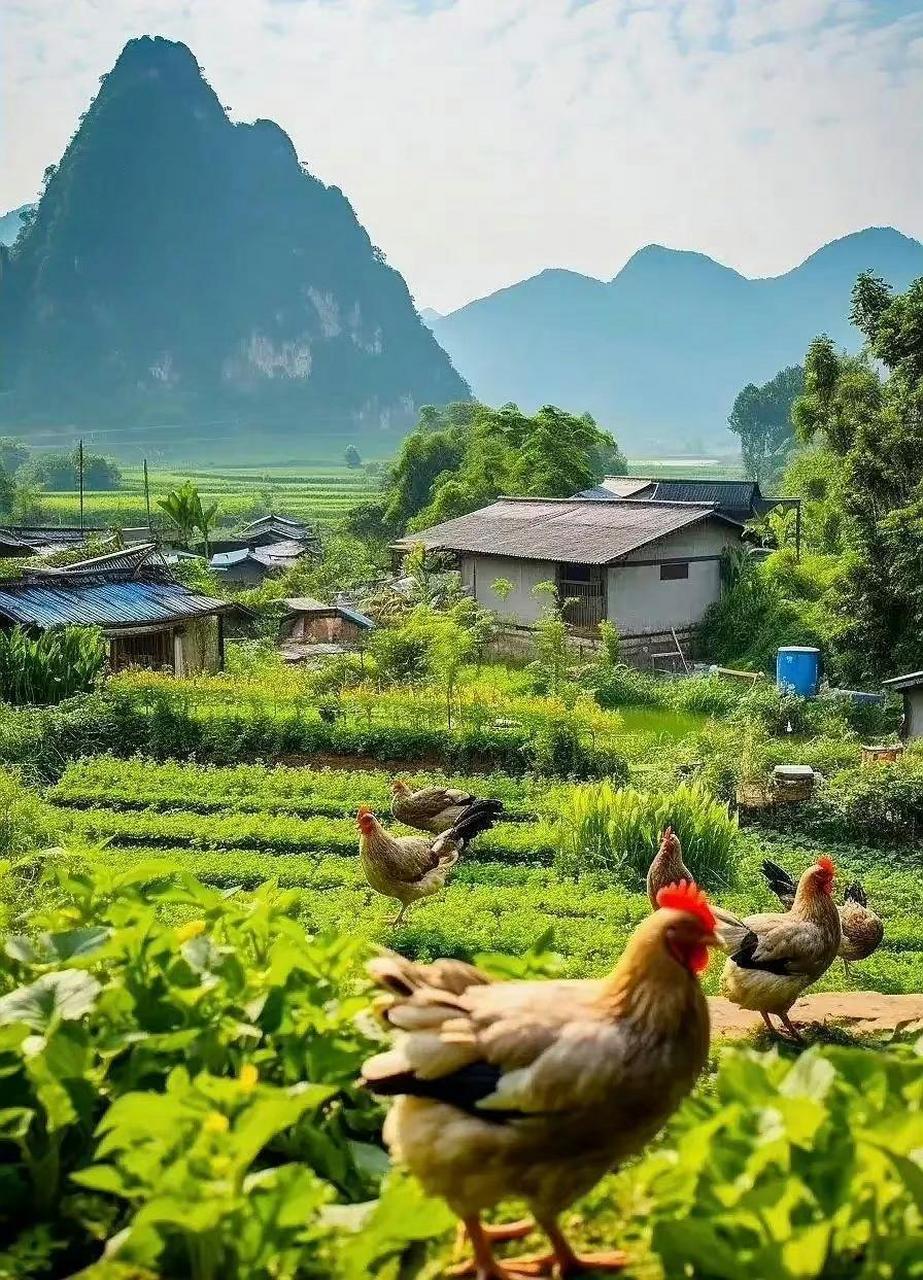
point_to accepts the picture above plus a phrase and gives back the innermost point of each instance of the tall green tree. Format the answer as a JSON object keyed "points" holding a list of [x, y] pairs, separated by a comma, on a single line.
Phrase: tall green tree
{"points": [[868, 411], [762, 417]]}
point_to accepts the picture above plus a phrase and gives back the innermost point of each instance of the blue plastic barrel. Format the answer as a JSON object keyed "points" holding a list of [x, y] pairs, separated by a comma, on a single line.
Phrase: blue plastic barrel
{"points": [[798, 670]]}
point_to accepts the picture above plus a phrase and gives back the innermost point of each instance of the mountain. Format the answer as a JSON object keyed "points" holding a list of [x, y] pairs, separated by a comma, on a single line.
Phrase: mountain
{"points": [[658, 353], [429, 316], [186, 280], [10, 223]]}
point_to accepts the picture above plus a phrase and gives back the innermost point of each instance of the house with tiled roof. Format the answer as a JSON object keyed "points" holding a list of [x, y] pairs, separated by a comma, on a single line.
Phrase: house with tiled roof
{"points": [[648, 566]]}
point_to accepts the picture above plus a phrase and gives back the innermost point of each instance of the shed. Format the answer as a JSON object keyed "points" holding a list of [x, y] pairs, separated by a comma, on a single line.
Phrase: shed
{"points": [[310, 622], [910, 687], [31, 540], [249, 566], [149, 619], [645, 565]]}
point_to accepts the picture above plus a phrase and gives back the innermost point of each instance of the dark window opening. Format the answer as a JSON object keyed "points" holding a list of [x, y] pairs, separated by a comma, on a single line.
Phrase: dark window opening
{"points": [[672, 572]]}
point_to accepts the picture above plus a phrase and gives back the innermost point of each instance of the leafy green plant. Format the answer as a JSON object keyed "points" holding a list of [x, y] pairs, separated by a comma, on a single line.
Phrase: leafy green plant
{"points": [[798, 1170], [50, 666], [616, 832]]}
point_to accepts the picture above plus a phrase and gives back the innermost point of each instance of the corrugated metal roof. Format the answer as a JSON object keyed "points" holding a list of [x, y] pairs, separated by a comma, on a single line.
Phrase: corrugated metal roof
{"points": [[127, 558], [40, 535], [276, 555], [307, 604], [617, 487], [107, 604], [912, 680], [566, 530]]}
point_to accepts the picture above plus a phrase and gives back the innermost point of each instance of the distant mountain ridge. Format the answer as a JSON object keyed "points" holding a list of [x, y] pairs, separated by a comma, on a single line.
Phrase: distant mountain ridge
{"points": [[658, 353], [185, 278]]}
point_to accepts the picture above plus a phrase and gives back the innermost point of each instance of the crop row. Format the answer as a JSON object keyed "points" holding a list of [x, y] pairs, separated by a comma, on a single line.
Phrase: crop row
{"points": [[506, 842], [146, 784]]}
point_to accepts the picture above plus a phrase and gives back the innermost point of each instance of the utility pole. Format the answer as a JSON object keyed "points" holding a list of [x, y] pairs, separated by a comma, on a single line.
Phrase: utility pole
{"points": [[80, 479], [147, 498]]}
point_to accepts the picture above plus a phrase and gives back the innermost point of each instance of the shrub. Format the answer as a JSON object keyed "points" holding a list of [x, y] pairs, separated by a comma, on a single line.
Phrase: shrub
{"points": [[559, 750], [26, 823], [834, 1137], [880, 802], [616, 832], [47, 668]]}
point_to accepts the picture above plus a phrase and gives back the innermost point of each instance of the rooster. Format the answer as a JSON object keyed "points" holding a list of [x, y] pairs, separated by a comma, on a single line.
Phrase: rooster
{"points": [[536, 1089], [668, 866], [773, 958], [861, 927], [410, 867], [434, 809]]}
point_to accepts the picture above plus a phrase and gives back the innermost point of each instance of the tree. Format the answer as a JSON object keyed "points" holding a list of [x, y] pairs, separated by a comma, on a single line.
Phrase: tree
{"points": [[183, 507], [463, 456], [873, 425], [13, 453], [352, 457], [762, 417], [58, 471]]}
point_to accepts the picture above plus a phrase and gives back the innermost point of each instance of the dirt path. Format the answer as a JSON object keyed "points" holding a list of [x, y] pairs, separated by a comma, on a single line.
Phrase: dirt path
{"points": [[859, 1011]]}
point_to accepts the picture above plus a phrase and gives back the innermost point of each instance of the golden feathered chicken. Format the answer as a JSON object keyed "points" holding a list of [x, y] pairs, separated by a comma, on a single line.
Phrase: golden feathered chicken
{"points": [[435, 809], [774, 957], [861, 927], [536, 1089], [668, 866], [412, 867]]}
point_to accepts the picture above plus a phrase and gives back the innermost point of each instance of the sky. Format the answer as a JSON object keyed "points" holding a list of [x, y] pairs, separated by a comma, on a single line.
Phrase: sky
{"points": [[481, 141]]}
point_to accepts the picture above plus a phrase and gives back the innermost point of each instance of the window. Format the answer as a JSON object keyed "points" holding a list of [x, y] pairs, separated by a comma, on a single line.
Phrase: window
{"points": [[672, 572]]}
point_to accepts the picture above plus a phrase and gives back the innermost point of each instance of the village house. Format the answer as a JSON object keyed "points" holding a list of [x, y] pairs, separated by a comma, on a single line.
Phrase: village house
{"points": [[149, 619], [649, 567], [249, 566], [308, 623], [21, 541], [739, 500], [910, 687]]}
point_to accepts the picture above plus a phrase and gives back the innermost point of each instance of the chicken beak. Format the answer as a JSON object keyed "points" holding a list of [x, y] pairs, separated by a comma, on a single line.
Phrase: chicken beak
{"points": [[712, 940]]}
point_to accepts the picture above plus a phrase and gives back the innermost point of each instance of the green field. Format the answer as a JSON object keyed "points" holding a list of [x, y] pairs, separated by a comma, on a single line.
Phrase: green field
{"points": [[320, 494]]}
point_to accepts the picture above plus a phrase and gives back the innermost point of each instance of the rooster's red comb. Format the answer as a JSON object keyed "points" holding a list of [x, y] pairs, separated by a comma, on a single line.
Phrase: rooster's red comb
{"points": [[827, 864], [362, 811], [687, 896]]}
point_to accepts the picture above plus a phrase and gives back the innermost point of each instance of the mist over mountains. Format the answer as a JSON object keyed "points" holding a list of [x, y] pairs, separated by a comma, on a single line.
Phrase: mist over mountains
{"points": [[186, 279], [658, 353]]}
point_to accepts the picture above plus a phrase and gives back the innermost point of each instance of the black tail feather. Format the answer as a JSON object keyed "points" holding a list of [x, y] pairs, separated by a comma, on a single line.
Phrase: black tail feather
{"points": [[779, 881], [856, 893], [478, 817]]}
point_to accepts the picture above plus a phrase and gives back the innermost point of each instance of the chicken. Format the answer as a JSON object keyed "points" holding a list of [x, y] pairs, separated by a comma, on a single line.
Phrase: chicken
{"points": [[434, 809], [668, 867], [773, 958], [862, 929], [411, 867], [536, 1089]]}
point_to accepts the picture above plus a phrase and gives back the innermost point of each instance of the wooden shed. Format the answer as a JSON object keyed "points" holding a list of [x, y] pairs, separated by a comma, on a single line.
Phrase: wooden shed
{"points": [[309, 622]]}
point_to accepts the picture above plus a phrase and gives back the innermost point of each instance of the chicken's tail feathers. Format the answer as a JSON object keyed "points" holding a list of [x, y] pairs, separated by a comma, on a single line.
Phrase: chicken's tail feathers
{"points": [[856, 893], [402, 977], [780, 882], [732, 933], [480, 816]]}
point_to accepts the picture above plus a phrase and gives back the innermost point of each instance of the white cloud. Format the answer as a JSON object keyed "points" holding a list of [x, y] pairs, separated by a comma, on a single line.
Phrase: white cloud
{"points": [[482, 140]]}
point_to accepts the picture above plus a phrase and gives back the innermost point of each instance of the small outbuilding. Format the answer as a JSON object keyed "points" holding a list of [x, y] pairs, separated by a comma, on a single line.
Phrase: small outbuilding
{"points": [[910, 687], [309, 623], [249, 566], [647, 566], [149, 619]]}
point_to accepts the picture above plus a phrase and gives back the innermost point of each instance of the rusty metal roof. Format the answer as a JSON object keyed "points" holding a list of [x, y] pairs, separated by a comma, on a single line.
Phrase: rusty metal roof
{"points": [[107, 604], [568, 530]]}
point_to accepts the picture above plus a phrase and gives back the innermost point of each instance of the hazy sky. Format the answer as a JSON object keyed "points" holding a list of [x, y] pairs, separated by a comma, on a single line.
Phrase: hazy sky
{"points": [[482, 140]]}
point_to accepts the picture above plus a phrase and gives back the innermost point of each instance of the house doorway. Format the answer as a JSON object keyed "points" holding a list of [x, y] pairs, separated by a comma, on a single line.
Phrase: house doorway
{"points": [[582, 588]]}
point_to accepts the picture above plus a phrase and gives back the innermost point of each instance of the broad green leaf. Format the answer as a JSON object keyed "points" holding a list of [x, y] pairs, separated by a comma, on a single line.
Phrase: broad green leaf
{"points": [[101, 1177], [65, 994], [811, 1076]]}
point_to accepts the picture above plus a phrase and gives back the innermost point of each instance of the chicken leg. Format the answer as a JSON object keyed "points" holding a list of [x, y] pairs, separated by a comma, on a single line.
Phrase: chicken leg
{"points": [[484, 1266], [400, 915], [563, 1259]]}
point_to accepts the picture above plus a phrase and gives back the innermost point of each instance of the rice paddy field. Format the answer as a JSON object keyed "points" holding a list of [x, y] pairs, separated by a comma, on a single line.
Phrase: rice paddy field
{"points": [[320, 494]]}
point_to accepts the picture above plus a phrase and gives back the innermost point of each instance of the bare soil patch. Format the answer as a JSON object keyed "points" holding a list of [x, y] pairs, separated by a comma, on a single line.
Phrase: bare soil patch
{"points": [[864, 1012]]}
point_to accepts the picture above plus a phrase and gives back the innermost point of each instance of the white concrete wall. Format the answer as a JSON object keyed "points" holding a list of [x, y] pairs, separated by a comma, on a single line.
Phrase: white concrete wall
{"points": [[705, 539], [640, 602], [520, 606], [913, 709]]}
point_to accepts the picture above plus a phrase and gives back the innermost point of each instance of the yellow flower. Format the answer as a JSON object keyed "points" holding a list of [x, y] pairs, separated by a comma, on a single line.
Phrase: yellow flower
{"points": [[191, 929], [215, 1122], [249, 1078], [220, 1166]]}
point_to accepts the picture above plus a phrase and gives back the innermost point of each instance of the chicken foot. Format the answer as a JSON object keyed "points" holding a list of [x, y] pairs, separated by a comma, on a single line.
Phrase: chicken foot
{"points": [[399, 917], [484, 1265], [563, 1260], [792, 1032]]}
